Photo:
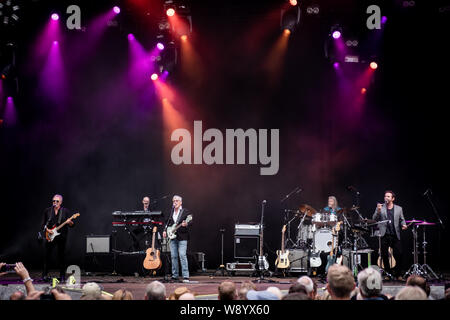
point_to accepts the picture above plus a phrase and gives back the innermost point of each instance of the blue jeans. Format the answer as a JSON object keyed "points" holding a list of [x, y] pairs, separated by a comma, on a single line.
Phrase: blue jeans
{"points": [[179, 248]]}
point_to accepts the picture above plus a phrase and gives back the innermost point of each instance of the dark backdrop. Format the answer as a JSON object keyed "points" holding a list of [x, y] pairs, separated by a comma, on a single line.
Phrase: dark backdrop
{"points": [[103, 149]]}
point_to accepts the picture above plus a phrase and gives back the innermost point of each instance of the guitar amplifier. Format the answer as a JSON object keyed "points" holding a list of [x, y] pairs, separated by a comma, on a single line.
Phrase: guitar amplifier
{"points": [[97, 244], [298, 260], [363, 258], [246, 229], [246, 247]]}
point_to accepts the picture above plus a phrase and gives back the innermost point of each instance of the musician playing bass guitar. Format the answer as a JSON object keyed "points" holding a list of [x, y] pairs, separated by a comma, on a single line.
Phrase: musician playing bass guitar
{"points": [[177, 229], [55, 216]]}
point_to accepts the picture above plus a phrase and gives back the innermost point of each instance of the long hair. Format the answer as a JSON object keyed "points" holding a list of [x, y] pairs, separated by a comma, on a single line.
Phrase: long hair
{"points": [[335, 205]]}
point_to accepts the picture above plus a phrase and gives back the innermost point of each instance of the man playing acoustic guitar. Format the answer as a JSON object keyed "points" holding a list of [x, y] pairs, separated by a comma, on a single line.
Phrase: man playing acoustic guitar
{"points": [[55, 216]]}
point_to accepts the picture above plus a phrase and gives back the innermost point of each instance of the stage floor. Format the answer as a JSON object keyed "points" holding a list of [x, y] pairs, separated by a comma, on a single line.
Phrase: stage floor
{"points": [[204, 285]]}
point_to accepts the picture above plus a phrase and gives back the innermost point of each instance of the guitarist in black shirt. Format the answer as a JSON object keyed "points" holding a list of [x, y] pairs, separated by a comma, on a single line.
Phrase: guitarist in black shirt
{"points": [[55, 216]]}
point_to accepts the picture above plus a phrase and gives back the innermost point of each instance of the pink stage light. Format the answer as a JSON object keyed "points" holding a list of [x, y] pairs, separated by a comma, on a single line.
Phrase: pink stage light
{"points": [[55, 17], [154, 77], [336, 65], [130, 36], [336, 34], [373, 65], [160, 46], [116, 10]]}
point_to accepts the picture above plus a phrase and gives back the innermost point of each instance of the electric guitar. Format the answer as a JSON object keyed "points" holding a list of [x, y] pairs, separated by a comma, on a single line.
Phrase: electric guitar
{"points": [[262, 264], [282, 261], [152, 259], [331, 259], [54, 231], [172, 230]]}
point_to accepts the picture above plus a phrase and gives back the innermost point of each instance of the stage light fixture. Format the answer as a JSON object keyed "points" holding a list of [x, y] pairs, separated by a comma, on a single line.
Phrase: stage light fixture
{"points": [[286, 32], [55, 17], [351, 43], [170, 12], [336, 65], [363, 90], [290, 18], [154, 77], [373, 65], [160, 46], [130, 36], [9, 12], [336, 31], [312, 10], [293, 2], [183, 37], [116, 10]]}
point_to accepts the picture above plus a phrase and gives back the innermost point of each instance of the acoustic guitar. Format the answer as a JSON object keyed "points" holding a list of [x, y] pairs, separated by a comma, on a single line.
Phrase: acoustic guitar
{"points": [[50, 236], [152, 259], [282, 261]]}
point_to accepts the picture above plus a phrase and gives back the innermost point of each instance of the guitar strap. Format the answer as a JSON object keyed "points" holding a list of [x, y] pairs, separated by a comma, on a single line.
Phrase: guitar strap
{"points": [[60, 212]]}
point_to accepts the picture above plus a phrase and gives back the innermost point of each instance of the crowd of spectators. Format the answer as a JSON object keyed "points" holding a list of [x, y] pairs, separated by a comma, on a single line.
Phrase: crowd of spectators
{"points": [[340, 285]]}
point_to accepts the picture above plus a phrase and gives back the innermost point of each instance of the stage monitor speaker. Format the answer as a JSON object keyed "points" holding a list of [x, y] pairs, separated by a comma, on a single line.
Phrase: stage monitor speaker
{"points": [[298, 260], [246, 247], [97, 244]]}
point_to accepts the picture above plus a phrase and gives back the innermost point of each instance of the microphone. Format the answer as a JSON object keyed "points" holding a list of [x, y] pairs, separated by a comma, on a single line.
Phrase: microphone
{"points": [[299, 190]]}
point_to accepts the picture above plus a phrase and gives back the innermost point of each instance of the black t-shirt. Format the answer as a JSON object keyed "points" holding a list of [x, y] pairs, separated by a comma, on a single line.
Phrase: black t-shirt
{"points": [[390, 229]]}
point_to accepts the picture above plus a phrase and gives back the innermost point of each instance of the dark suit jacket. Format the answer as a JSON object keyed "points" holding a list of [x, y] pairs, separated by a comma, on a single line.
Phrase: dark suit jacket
{"points": [[62, 216], [182, 232], [399, 219]]}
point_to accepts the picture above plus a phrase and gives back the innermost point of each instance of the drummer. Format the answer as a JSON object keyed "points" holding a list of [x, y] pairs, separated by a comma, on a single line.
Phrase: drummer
{"points": [[332, 207]]}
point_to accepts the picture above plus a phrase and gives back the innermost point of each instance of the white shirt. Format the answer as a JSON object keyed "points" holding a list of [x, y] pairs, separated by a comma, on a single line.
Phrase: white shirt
{"points": [[176, 214]]}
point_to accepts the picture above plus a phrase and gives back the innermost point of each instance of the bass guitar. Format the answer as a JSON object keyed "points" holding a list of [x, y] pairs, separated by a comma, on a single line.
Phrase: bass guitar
{"points": [[172, 230], [331, 259], [282, 261], [152, 259], [51, 234]]}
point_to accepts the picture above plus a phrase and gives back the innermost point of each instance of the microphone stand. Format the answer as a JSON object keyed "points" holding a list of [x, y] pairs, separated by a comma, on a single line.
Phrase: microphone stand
{"points": [[286, 214], [427, 194]]}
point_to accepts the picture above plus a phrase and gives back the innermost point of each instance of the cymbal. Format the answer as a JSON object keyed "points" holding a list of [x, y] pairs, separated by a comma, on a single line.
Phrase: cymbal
{"points": [[424, 223], [413, 221], [308, 209]]}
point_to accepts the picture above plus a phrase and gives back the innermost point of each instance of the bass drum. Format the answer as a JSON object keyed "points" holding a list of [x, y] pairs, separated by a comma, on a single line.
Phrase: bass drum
{"points": [[323, 240]]}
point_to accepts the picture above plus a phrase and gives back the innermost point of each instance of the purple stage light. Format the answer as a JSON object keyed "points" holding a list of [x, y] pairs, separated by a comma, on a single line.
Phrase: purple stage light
{"points": [[336, 34], [116, 10], [55, 17], [130, 36], [336, 65], [160, 46], [383, 19]]}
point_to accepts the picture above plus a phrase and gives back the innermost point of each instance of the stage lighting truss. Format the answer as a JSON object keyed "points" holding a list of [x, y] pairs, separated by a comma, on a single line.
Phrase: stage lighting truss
{"points": [[290, 18], [9, 12], [8, 72]]}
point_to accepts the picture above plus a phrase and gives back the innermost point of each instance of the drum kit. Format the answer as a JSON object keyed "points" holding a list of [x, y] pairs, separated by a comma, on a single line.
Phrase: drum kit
{"points": [[315, 231]]}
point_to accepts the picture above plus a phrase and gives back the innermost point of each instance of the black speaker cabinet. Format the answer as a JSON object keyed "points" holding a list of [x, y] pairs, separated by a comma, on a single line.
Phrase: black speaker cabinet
{"points": [[246, 247], [298, 260], [98, 262]]}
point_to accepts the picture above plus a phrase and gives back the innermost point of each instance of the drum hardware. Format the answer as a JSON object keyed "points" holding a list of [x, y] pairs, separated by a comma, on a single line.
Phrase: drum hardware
{"points": [[425, 266], [289, 243], [416, 268]]}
